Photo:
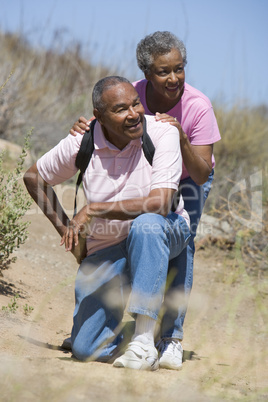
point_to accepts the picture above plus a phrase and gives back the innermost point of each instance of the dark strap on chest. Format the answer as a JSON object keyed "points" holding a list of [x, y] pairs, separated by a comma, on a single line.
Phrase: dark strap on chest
{"points": [[83, 157], [147, 144]]}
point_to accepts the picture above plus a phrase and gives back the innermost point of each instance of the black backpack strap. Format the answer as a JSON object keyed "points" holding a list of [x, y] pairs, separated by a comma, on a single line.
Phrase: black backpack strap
{"points": [[86, 148], [83, 157], [176, 199], [147, 144]]}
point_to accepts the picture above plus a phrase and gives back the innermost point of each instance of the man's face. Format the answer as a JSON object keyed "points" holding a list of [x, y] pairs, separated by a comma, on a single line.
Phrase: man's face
{"points": [[122, 120]]}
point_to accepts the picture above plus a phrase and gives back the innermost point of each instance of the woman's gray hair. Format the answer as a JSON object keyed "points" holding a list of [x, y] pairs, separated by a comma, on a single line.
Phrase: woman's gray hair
{"points": [[101, 86], [156, 44]]}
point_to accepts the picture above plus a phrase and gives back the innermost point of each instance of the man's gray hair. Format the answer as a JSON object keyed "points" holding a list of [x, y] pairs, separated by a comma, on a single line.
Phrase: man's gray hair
{"points": [[101, 86], [156, 44]]}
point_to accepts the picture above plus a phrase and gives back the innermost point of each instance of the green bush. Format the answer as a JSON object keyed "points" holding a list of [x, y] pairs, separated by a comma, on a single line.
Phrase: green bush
{"points": [[14, 202]]}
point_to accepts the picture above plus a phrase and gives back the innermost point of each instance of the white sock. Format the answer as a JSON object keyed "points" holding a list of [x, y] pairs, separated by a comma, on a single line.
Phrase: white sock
{"points": [[144, 330]]}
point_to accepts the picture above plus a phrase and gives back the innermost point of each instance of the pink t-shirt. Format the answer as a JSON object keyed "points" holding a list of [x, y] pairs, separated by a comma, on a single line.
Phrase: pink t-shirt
{"points": [[114, 174], [195, 114]]}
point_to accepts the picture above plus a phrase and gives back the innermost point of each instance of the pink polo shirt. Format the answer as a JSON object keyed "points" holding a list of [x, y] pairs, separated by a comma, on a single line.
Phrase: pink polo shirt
{"points": [[114, 174], [195, 114]]}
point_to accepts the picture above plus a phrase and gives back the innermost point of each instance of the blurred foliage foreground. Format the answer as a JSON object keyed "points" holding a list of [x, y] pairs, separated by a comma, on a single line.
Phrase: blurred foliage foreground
{"points": [[50, 89]]}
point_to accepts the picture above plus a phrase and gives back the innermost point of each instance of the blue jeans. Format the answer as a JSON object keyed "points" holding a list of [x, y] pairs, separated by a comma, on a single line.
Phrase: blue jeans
{"points": [[180, 277], [133, 271]]}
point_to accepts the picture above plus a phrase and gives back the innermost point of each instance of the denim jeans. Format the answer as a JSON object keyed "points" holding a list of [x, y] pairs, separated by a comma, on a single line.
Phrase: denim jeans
{"points": [[180, 277], [130, 275]]}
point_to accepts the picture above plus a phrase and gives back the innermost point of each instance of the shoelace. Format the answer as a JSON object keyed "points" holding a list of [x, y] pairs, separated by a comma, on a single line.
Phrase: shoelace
{"points": [[134, 347], [164, 343]]}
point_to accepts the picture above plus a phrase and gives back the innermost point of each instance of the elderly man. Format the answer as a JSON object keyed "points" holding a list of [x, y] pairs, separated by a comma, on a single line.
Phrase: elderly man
{"points": [[131, 233]]}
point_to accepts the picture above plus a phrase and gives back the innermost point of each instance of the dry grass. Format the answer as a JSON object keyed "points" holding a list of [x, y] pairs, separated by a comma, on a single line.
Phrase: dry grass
{"points": [[240, 189], [243, 148], [47, 90]]}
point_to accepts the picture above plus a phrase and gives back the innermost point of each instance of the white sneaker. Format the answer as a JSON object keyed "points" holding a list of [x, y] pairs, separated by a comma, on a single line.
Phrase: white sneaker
{"points": [[138, 356], [170, 351]]}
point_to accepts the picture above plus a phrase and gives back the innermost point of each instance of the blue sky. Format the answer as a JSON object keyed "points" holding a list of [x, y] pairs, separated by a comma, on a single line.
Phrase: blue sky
{"points": [[226, 40]]}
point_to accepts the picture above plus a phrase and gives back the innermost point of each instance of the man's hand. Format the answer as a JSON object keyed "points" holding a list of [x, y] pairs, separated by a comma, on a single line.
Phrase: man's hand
{"points": [[80, 126], [76, 228]]}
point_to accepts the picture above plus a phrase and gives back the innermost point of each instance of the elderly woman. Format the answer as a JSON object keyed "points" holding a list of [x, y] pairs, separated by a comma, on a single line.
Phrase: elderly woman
{"points": [[164, 93]]}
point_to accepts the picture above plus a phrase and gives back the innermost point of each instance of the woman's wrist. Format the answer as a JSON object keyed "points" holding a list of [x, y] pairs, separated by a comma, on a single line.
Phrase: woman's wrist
{"points": [[183, 138]]}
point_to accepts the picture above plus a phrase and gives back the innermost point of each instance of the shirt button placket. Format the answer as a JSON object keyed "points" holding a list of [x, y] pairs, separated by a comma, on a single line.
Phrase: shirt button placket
{"points": [[118, 167]]}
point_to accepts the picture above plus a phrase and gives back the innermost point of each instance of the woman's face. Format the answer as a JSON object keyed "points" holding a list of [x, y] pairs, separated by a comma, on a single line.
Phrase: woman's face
{"points": [[167, 75]]}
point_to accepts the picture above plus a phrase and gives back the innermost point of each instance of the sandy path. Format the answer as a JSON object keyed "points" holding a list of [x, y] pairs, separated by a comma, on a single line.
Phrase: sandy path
{"points": [[225, 335]]}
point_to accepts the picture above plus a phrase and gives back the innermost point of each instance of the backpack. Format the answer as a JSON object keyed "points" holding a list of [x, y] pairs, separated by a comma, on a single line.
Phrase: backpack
{"points": [[87, 148]]}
